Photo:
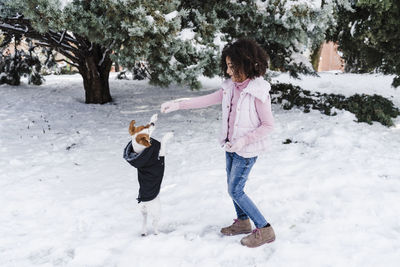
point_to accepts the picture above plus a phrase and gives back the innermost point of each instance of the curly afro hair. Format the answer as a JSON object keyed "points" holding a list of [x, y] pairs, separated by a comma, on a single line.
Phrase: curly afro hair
{"points": [[247, 58]]}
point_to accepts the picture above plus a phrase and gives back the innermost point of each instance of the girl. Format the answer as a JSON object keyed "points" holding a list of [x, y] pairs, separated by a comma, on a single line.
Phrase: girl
{"points": [[246, 122]]}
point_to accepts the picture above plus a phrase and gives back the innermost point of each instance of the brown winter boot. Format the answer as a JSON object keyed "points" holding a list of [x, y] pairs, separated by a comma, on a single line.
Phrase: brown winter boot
{"points": [[258, 237], [238, 227]]}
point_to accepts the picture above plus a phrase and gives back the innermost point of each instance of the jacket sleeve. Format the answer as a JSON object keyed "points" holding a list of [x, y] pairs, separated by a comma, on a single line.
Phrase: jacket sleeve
{"points": [[202, 101]]}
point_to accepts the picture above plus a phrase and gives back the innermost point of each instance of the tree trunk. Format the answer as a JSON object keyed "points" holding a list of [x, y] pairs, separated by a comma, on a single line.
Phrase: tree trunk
{"points": [[116, 66], [315, 57], [95, 73]]}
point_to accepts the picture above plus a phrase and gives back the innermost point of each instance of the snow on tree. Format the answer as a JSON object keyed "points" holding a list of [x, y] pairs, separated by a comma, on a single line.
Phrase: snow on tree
{"points": [[87, 32], [178, 39], [369, 36], [19, 62], [286, 29]]}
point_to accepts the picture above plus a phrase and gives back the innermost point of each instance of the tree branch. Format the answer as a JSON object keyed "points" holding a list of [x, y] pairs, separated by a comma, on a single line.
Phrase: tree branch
{"points": [[106, 51], [85, 43], [65, 53], [62, 36], [14, 29], [68, 62], [62, 42]]}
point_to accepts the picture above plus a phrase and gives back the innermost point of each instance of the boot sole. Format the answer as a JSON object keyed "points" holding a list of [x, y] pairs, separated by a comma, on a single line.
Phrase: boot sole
{"points": [[266, 242], [240, 233]]}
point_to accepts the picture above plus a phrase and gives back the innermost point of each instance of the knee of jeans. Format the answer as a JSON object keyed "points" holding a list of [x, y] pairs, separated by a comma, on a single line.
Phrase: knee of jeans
{"points": [[235, 191]]}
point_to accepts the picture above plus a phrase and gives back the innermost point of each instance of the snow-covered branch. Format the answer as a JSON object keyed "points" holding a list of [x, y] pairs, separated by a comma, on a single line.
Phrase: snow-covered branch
{"points": [[56, 40], [106, 52], [13, 28], [63, 36], [18, 16]]}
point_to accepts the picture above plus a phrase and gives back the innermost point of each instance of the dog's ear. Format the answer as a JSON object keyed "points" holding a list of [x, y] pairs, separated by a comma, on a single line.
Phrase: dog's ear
{"points": [[132, 127], [143, 139]]}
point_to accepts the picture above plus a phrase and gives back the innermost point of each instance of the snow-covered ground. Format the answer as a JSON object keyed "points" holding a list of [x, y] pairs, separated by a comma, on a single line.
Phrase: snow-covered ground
{"points": [[68, 197]]}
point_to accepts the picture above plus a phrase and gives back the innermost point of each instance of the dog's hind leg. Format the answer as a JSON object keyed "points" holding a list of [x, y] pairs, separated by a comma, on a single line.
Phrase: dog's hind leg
{"points": [[144, 223], [164, 140]]}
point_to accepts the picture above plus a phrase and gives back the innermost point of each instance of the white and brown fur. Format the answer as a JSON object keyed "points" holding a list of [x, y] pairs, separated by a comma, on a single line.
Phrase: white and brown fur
{"points": [[140, 141]]}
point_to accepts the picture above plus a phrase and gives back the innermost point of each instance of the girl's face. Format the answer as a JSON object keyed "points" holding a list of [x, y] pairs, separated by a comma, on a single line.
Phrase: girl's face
{"points": [[230, 71]]}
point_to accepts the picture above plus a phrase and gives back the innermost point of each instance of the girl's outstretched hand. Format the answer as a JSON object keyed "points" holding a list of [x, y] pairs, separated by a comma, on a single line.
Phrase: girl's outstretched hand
{"points": [[169, 106]]}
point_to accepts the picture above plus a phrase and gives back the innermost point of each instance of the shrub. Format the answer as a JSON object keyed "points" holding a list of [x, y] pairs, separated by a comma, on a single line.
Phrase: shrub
{"points": [[367, 108], [19, 63]]}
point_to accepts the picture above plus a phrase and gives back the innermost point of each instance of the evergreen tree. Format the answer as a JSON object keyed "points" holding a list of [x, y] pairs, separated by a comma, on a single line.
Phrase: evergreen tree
{"points": [[368, 34], [286, 29], [178, 39], [87, 32]]}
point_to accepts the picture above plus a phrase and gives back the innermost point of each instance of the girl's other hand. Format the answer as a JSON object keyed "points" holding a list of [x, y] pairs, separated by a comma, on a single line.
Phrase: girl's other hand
{"points": [[235, 147], [169, 106]]}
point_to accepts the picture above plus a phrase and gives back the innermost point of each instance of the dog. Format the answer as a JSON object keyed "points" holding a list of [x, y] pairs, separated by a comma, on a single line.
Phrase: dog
{"points": [[147, 155]]}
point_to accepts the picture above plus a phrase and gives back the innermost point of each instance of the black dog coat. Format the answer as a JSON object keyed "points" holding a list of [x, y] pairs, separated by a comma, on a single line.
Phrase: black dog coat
{"points": [[150, 168]]}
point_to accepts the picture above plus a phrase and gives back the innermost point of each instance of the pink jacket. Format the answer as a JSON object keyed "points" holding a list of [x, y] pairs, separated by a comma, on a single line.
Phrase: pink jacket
{"points": [[247, 120], [249, 123]]}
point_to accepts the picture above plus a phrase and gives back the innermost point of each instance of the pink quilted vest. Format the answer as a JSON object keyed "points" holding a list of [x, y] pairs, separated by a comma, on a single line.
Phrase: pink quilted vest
{"points": [[246, 115]]}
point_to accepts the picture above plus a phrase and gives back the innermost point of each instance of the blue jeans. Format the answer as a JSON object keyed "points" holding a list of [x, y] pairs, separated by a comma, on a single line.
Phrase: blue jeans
{"points": [[237, 170]]}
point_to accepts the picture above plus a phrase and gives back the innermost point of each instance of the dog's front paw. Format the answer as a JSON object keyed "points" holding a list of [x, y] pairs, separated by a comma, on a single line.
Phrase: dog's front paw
{"points": [[154, 118]]}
